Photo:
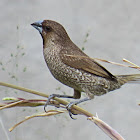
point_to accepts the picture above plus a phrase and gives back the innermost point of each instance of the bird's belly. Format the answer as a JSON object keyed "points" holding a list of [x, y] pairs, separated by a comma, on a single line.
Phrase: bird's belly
{"points": [[82, 81]]}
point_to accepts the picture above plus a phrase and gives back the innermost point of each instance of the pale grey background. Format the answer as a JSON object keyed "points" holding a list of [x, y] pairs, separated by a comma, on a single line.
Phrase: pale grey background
{"points": [[114, 33]]}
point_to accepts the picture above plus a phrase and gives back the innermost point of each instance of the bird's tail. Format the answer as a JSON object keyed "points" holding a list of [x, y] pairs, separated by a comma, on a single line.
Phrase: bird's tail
{"points": [[132, 78]]}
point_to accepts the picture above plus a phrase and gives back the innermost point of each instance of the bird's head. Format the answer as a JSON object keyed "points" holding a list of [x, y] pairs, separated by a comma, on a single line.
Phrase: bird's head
{"points": [[51, 30]]}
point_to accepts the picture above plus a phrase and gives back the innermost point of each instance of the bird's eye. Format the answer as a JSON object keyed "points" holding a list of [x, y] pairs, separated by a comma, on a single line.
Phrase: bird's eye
{"points": [[47, 28]]}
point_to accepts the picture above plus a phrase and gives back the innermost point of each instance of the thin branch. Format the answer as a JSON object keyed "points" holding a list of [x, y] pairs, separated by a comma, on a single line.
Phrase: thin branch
{"points": [[11, 105], [133, 64], [20, 102], [44, 114], [119, 64], [113, 134], [63, 102]]}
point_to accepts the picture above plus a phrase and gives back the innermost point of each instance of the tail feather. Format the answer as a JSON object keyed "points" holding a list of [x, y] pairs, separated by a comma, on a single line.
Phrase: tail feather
{"points": [[132, 78]]}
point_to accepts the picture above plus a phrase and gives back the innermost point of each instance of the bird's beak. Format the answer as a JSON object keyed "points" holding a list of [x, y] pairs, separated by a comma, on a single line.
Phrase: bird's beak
{"points": [[38, 25]]}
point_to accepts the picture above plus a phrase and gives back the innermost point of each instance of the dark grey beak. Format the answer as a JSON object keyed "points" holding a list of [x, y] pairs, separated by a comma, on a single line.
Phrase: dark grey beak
{"points": [[38, 26]]}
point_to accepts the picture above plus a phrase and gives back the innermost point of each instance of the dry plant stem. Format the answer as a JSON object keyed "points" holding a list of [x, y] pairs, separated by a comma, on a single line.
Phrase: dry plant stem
{"points": [[25, 103], [12, 104], [113, 134], [44, 114], [125, 60], [82, 111], [118, 64]]}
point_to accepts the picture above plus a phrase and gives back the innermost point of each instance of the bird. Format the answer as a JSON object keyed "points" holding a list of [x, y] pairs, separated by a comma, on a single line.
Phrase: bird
{"points": [[72, 67]]}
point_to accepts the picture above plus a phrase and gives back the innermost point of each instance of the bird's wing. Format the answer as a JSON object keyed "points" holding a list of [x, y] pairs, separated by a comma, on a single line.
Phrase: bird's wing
{"points": [[79, 60]]}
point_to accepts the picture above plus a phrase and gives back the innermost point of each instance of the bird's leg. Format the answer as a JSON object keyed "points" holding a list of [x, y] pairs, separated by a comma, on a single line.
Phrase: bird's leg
{"points": [[75, 103], [77, 95]]}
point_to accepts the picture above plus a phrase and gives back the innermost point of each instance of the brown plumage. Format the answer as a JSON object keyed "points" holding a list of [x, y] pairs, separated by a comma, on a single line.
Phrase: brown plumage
{"points": [[72, 67]]}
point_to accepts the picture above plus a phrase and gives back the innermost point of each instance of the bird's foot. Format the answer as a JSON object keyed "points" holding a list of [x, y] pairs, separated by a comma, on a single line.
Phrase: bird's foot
{"points": [[69, 106], [53, 96], [48, 101]]}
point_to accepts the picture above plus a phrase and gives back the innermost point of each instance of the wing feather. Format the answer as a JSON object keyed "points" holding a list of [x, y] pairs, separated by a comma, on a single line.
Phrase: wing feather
{"points": [[79, 60]]}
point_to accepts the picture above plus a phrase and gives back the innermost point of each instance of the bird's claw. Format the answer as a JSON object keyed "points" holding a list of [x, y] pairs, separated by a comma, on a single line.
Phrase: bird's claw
{"points": [[68, 107], [47, 102]]}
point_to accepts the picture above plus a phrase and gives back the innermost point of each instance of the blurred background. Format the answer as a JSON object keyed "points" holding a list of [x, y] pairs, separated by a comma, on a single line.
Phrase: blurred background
{"points": [[106, 29]]}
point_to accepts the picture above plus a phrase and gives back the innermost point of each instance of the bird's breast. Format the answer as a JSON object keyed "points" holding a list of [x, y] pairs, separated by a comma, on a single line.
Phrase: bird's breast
{"points": [[62, 72]]}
